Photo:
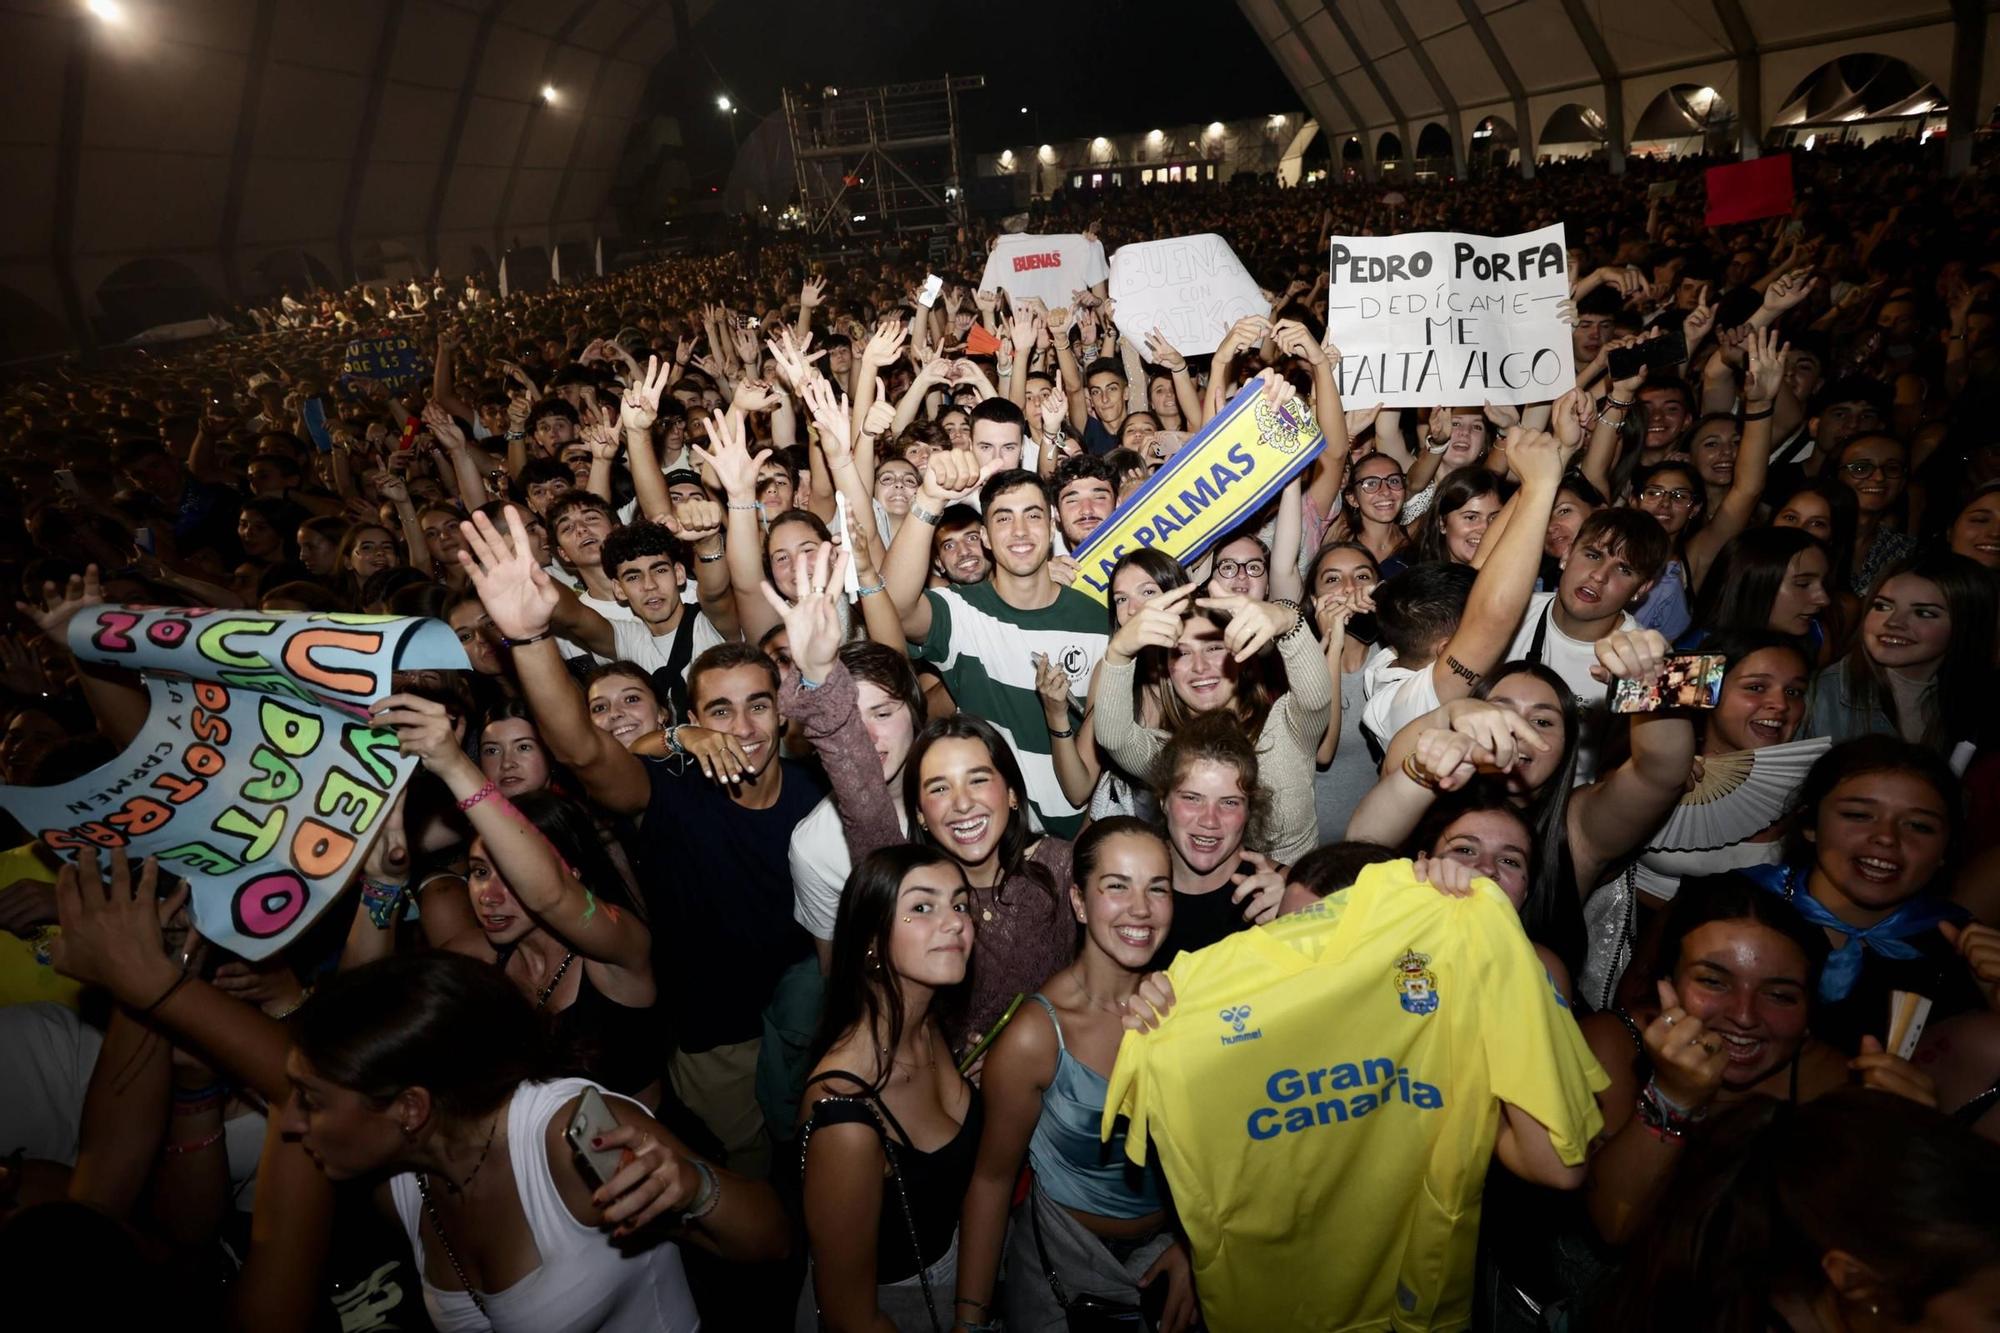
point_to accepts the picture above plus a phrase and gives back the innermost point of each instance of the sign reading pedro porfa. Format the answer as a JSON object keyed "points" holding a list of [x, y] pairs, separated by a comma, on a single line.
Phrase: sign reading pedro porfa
{"points": [[1233, 468]]}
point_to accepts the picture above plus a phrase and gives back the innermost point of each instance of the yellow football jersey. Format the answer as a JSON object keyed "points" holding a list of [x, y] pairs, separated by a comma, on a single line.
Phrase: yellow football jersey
{"points": [[1325, 1096]]}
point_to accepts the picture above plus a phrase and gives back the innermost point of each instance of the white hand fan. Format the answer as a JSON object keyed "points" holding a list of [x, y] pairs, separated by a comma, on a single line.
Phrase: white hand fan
{"points": [[1740, 793]]}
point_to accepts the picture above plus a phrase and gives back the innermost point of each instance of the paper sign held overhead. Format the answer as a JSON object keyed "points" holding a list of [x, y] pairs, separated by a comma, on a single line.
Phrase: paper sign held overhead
{"points": [[256, 777], [1233, 468], [1190, 288], [392, 359], [1050, 267], [1438, 318]]}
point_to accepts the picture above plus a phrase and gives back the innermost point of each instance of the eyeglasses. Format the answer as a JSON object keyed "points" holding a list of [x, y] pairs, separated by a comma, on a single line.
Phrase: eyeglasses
{"points": [[1656, 494], [1229, 569], [1862, 468], [897, 481], [1369, 485]]}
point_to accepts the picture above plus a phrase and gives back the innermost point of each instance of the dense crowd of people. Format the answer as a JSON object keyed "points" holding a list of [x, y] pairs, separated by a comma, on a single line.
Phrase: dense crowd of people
{"points": [[801, 908]]}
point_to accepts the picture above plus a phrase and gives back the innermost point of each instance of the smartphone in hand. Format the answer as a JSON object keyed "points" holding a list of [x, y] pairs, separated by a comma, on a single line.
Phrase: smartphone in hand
{"points": [[1686, 680], [592, 1119]]}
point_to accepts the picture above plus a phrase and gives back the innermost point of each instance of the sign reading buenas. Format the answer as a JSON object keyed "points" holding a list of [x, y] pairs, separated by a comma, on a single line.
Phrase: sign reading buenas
{"points": [[257, 777]]}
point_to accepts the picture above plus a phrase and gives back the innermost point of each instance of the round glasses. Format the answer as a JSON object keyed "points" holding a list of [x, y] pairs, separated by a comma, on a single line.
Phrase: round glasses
{"points": [[1229, 569], [1369, 485]]}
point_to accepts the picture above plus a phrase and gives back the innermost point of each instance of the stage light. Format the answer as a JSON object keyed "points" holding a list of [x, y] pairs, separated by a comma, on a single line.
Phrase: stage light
{"points": [[1006, 157], [724, 104], [1024, 111], [109, 11], [1214, 128], [549, 93], [1046, 153], [1154, 136], [1100, 143]]}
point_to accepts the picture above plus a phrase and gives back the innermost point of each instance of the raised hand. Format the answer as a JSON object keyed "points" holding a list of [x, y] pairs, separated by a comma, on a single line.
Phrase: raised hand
{"points": [[1052, 684], [953, 474], [640, 407], [1054, 408], [794, 364], [1252, 624], [746, 348], [812, 291], [757, 396], [1504, 416], [1156, 624], [1162, 353], [1534, 456], [830, 413], [1294, 338], [111, 927], [516, 592], [60, 605], [603, 440], [423, 728], [1260, 890], [693, 520], [1766, 370], [1500, 737], [1439, 426], [812, 623], [1570, 421], [442, 427], [1635, 654], [1789, 289], [1878, 1069], [1700, 321], [1979, 946], [886, 343], [1687, 1058], [881, 416], [730, 456]]}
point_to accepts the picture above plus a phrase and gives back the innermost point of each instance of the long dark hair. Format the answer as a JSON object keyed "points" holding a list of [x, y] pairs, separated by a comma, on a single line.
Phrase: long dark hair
{"points": [[1748, 572], [1018, 837], [861, 989], [1454, 493], [1962, 686], [1764, 1192], [1167, 573], [1734, 897], [1843, 517], [441, 1021], [569, 829], [1877, 753]]}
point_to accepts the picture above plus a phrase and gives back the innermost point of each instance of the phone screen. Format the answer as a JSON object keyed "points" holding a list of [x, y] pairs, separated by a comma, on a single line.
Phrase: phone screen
{"points": [[1686, 680]]}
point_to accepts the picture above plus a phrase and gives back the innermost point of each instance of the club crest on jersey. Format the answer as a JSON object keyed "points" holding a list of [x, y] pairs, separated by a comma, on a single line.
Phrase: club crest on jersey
{"points": [[1238, 1018], [1416, 985]]}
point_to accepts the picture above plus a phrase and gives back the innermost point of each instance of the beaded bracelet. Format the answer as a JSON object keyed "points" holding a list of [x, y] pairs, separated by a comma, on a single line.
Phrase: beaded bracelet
{"points": [[382, 898], [488, 790], [193, 1145], [871, 590], [711, 1192]]}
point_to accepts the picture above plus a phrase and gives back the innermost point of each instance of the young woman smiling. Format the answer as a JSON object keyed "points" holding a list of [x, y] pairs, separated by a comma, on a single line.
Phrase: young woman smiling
{"points": [[1099, 1224], [1922, 667], [963, 796], [1215, 667]]}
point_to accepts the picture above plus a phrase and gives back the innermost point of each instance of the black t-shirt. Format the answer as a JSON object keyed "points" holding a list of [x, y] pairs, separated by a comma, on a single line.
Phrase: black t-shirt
{"points": [[371, 1275], [718, 884]]}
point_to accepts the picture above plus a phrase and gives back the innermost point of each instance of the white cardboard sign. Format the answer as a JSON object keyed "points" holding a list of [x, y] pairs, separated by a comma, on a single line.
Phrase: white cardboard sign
{"points": [[1438, 318], [1190, 288]]}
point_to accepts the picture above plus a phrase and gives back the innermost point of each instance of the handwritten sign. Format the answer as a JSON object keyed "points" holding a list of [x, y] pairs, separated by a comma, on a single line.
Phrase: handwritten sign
{"points": [[1234, 467], [256, 777], [1439, 318], [392, 359], [1051, 267], [1191, 288]]}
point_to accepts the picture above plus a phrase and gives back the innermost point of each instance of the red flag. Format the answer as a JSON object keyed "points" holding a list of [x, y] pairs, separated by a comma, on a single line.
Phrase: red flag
{"points": [[979, 342], [1746, 191]]}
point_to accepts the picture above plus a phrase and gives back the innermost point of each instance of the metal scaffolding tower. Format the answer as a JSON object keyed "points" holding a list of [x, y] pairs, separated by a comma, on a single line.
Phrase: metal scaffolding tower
{"points": [[876, 160]]}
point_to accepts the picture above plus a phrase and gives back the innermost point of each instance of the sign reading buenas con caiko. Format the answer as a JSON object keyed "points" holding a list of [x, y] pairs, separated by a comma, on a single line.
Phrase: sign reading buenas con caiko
{"points": [[256, 777]]}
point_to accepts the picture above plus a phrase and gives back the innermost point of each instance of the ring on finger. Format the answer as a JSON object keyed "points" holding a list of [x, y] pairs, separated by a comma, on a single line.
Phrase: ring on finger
{"points": [[1669, 1019]]}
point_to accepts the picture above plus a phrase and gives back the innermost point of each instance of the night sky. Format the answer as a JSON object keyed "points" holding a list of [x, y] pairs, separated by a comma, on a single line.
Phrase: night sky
{"points": [[1081, 67]]}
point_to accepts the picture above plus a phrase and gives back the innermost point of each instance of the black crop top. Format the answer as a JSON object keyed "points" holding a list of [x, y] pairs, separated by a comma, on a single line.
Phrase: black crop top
{"points": [[934, 1182], [620, 1047]]}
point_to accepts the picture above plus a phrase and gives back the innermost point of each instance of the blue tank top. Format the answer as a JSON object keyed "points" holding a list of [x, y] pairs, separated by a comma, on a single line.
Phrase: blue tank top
{"points": [[1073, 1165]]}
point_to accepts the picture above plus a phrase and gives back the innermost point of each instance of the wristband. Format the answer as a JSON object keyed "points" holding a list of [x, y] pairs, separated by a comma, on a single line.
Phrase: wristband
{"points": [[923, 515], [1055, 735], [674, 745], [488, 790], [745, 504], [1298, 617], [532, 638], [711, 1191], [212, 1092], [1763, 415], [382, 898], [1610, 402], [1436, 448], [166, 994], [710, 559], [871, 589], [1663, 1117]]}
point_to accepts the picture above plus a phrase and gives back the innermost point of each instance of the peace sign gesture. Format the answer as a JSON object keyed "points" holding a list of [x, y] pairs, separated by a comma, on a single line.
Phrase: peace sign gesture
{"points": [[1156, 624], [641, 405], [813, 622]]}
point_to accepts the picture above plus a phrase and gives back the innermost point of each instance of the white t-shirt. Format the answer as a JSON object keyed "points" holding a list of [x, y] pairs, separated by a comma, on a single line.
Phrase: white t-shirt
{"points": [[1396, 695], [1571, 659], [820, 866], [638, 644]]}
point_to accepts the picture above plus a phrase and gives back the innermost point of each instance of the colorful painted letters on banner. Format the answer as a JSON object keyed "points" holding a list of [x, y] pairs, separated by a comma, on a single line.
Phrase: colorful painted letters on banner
{"points": [[1441, 319], [1234, 467], [256, 776]]}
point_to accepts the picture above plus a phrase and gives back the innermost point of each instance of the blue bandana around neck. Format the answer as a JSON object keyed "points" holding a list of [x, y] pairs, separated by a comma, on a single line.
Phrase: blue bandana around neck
{"points": [[1886, 937]]}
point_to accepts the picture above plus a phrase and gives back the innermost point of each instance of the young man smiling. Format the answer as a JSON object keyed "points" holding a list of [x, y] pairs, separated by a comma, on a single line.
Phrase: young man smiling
{"points": [[983, 638], [713, 835]]}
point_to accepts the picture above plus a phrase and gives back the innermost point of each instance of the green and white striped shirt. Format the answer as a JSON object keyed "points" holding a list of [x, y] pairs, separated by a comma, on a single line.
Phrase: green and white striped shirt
{"points": [[985, 650]]}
